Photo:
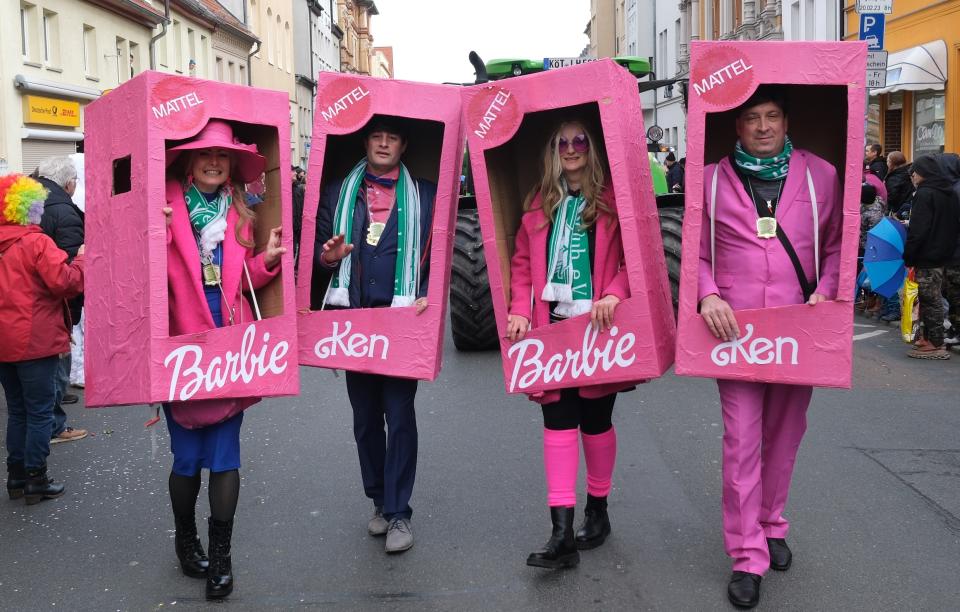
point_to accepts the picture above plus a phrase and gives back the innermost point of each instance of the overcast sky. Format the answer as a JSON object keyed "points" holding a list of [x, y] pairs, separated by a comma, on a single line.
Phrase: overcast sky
{"points": [[431, 39]]}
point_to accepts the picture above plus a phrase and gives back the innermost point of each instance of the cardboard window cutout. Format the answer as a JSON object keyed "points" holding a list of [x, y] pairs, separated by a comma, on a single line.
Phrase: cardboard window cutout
{"points": [[508, 124], [732, 250], [342, 333], [132, 357]]}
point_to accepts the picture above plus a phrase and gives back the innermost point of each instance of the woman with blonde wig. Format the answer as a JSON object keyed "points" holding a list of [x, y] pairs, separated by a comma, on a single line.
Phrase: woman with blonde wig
{"points": [[568, 262]]}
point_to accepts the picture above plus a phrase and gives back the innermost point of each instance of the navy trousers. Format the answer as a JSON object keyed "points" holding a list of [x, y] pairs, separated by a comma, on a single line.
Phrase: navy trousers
{"points": [[388, 459], [30, 387]]}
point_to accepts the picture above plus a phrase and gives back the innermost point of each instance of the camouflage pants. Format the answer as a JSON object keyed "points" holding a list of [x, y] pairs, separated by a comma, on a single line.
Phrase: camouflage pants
{"points": [[933, 284]]}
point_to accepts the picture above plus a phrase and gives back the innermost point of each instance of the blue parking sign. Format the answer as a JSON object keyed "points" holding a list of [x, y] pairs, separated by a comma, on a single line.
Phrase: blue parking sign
{"points": [[871, 30]]}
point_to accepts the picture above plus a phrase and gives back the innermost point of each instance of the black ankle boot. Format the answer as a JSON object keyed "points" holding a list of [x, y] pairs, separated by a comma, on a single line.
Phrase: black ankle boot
{"points": [[193, 561], [220, 571], [16, 480], [561, 550], [596, 524], [40, 487]]}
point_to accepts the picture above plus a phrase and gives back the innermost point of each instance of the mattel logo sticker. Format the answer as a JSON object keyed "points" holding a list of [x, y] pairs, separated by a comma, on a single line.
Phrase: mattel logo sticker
{"points": [[494, 115], [724, 77], [345, 103]]}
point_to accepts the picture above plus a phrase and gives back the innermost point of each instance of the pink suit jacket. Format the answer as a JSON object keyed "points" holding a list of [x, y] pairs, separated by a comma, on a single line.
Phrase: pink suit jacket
{"points": [[528, 276], [188, 308], [753, 272]]}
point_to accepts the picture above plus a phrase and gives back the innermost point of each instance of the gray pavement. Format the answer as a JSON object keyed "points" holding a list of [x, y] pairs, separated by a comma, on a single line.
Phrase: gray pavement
{"points": [[875, 505]]}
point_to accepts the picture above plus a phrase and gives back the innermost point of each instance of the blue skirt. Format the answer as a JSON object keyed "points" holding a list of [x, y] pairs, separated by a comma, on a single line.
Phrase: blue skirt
{"points": [[215, 448]]}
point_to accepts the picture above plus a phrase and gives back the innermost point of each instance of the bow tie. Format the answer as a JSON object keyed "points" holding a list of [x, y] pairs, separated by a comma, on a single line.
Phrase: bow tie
{"points": [[379, 180]]}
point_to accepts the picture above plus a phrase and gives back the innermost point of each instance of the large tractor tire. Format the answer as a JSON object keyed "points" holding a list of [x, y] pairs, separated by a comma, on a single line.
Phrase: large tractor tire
{"points": [[671, 225], [472, 320]]}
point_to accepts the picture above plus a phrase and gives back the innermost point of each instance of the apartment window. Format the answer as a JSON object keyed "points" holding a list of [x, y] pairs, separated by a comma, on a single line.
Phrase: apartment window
{"points": [[795, 20], [243, 74], [288, 45], [163, 55], [231, 72], [177, 48], [662, 61], [255, 20], [192, 44], [676, 42], [90, 59], [281, 44], [202, 60], [51, 38], [134, 59], [270, 35], [27, 17], [809, 26], [219, 68], [123, 62]]}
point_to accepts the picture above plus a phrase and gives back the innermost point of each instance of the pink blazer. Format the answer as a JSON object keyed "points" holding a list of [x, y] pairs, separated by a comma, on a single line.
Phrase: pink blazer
{"points": [[752, 272], [528, 276], [189, 312]]}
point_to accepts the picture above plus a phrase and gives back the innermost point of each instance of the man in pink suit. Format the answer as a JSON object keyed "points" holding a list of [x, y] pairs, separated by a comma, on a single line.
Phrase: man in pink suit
{"points": [[771, 237]]}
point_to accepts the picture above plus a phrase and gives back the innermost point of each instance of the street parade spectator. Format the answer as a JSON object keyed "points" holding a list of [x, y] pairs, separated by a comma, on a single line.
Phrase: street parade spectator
{"points": [[78, 340], [63, 221], [299, 193], [874, 181], [35, 278], [874, 161], [570, 232], [898, 183], [763, 423], [209, 251], [675, 173], [380, 263], [931, 242], [871, 212]]}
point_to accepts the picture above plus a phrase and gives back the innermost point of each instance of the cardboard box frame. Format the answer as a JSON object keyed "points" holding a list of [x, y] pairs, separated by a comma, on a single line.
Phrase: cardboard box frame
{"points": [[131, 358], [507, 125], [345, 103], [824, 333]]}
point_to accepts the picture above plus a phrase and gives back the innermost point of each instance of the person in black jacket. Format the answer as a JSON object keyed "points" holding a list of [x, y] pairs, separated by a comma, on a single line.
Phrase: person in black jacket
{"points": [[898, 183], [950, 162], [63, 221], [931, 241], [675, 174], [874, 161]]}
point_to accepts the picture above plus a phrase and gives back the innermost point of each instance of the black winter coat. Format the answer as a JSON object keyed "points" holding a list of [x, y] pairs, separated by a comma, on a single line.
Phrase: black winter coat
{"points": [[878, 167], [899, 187], [934, 224], [950, 162], [63, 221]]}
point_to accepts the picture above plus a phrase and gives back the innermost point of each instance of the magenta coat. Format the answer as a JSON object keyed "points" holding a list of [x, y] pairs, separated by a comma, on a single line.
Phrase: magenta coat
{"points": [[189, 312], [528, 276], [754, 272]]}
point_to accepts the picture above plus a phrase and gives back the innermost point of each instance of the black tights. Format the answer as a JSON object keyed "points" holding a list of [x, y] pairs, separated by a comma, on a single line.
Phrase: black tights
{"points": [[223, 489], [591, 416]]}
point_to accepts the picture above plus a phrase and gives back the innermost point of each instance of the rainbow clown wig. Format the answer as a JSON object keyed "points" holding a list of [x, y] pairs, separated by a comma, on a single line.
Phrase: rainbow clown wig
{"points": [[21, 200]]}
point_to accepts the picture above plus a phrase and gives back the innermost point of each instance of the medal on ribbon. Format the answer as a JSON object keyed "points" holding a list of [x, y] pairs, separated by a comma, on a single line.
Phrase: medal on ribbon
{"points": [[211, 274], [766, 227], [374, 231]]}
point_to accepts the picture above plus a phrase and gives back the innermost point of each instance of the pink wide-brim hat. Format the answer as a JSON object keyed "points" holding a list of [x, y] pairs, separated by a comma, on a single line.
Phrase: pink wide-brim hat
{"points": [[248, 164]]}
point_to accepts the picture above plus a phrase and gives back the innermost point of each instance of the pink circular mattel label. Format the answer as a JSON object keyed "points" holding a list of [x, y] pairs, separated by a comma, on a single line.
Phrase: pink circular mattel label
{"points": [[723, 77], [344, 104], [493, 116], [179, 105]]}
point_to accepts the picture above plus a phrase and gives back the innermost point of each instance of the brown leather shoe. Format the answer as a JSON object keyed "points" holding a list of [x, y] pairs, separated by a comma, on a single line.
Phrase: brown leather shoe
{"points": [[69, 434]]}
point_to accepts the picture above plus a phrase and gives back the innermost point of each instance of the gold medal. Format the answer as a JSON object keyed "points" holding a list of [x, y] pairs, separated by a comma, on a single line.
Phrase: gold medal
{"points": [[374, 231], [766, 227], [211, 274]]}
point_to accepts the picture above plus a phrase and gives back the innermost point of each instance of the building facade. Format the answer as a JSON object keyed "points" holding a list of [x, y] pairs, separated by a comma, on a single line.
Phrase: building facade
{"points": [[918, 111], [272, 65], [812, 19], [382, 63], [316, 37], [601, 29], [356, 51]]}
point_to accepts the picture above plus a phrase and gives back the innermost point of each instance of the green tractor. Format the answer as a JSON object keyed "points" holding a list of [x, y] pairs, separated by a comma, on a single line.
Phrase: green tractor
{"points": [[471, 307]]}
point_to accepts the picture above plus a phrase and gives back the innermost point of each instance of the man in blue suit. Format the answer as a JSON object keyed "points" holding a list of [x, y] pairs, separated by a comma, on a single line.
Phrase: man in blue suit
{"points": [[382, 263]]}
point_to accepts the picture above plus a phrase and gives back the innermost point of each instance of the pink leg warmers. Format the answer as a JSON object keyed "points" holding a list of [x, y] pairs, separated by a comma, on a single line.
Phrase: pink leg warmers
{"points": [[561, 456], [600, 451]]}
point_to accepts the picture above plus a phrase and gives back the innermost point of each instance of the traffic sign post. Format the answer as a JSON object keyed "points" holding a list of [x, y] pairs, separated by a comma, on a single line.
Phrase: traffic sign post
{"points": [[871, 30]]}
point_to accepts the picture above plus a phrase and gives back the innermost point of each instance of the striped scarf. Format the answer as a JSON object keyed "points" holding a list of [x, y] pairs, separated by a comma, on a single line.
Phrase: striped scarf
{"points": [[764, 168], [209, 219], [407, 272], [569, 281]]}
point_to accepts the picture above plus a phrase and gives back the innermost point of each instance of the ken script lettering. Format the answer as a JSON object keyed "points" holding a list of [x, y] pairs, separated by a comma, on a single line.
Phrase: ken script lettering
{"points": [[530, 365], [351, 345], [759, 351], [191, 372]]}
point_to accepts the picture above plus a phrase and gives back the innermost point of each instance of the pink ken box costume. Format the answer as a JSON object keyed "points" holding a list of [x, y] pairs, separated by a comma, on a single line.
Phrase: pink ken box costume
{"points": [[389, 341], [150, 332], [507, 125], [785, 345]]}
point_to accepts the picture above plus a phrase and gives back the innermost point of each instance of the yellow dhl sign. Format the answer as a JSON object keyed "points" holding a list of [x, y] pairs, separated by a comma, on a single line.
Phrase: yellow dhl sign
{"points": [[50, 111]]}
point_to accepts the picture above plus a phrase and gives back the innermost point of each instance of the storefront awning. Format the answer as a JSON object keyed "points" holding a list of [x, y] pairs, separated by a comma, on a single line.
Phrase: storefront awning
{"points": [[916, 69]]}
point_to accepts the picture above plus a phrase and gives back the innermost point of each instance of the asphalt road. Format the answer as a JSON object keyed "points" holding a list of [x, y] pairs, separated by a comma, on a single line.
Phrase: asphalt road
{"points": [[875, 505]]}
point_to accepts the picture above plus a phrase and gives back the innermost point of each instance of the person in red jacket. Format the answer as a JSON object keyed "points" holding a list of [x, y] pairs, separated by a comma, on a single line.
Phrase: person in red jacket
{"points": [[568, 261], [35, 282]]}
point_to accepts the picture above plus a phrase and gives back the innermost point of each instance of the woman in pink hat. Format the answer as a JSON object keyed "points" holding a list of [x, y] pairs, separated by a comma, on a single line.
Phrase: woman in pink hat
{"points": [[569, 262], [209, 253]]}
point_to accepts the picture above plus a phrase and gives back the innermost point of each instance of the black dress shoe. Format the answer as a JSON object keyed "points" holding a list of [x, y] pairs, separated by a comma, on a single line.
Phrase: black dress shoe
{"points": [[16, 480], [596, 524], [69, 398], [780, 555], [561, 549], [744, 589]]}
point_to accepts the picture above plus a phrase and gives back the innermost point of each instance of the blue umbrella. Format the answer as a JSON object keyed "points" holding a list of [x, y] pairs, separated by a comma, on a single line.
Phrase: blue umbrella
{"points": [[883, 257]]}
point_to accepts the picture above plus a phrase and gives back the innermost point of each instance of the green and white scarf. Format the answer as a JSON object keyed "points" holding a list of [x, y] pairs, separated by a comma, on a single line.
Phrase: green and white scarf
{"points": [[569, 281], [764, 168], [209, 219], [407, 274]]}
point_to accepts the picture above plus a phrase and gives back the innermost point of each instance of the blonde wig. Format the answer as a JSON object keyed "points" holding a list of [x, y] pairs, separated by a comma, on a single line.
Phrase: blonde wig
{"points": [[551, 187]]}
